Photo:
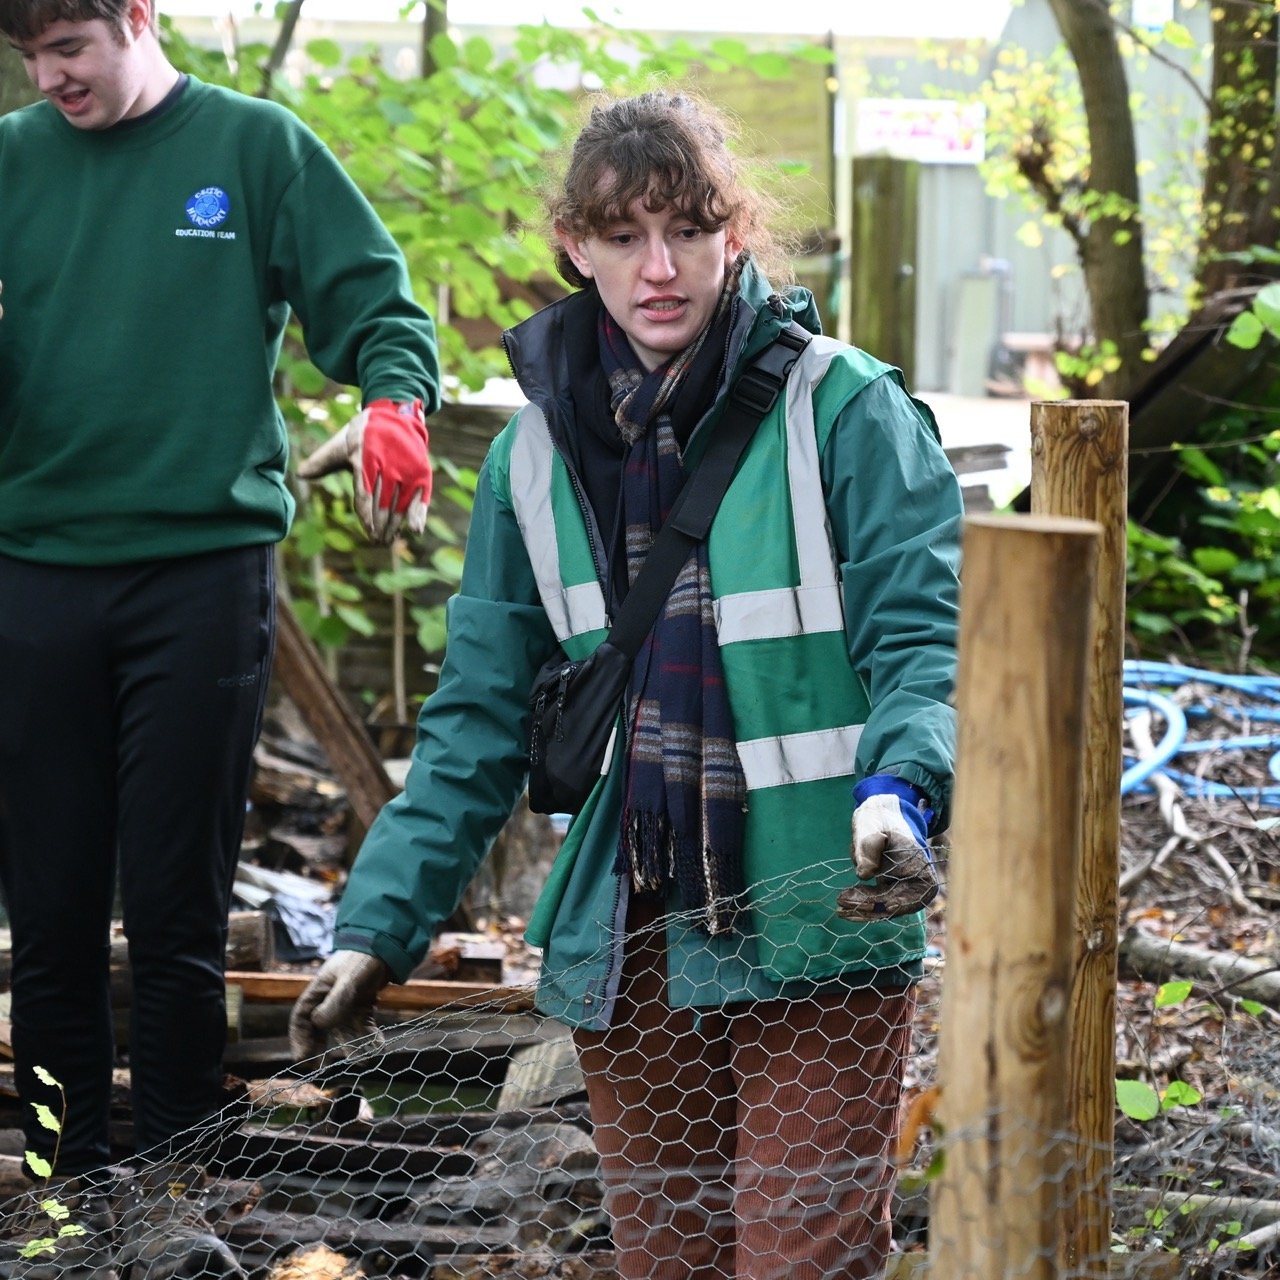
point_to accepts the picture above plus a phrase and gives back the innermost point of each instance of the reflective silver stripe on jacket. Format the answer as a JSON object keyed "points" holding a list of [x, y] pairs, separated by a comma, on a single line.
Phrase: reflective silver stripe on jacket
{"points": [[799, 757], [571, 610], [815, 605]]}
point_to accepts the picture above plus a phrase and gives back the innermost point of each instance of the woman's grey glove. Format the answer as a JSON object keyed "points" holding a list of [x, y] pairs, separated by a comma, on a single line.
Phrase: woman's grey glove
{"points": [[338, 1003]]}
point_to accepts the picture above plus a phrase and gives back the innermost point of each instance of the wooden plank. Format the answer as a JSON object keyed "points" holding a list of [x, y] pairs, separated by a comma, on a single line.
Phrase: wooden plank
{"points": [[966, 459], [329, 716], [254, 1152], [250, 945], [415, 995], [340, 732], [13, 1182]]}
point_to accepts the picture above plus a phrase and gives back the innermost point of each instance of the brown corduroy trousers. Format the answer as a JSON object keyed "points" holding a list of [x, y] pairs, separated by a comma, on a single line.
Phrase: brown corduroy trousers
{"points": [[751, 1142]]}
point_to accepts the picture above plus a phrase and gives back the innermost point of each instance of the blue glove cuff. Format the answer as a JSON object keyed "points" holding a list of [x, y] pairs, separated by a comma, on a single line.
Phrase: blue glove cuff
{"points": [[913, 803]]}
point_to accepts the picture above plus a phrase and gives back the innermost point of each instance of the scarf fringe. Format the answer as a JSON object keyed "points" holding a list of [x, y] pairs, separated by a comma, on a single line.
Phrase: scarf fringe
{"points": [[653, 856]]}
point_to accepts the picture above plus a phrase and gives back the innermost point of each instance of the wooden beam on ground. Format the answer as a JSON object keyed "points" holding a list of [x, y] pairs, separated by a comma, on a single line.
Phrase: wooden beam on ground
{"points": [[250, 945], [1127, 1266], [417, 995]]}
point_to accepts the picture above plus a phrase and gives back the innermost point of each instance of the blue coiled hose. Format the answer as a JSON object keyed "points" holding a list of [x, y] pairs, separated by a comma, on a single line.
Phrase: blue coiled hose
{"points": [[1261, 696]]}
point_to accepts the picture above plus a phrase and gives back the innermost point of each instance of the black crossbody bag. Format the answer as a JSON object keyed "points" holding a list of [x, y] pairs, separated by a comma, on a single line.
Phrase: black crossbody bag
{"points": [[575, 703]]}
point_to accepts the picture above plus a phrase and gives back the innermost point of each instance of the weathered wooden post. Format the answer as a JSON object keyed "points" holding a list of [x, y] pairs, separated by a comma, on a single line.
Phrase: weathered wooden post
{"points": [[1079, 467], [1024, 637]]}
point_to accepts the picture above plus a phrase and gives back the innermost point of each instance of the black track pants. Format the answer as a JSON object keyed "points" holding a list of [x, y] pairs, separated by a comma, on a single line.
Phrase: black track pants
{"points": [[130, 700]]}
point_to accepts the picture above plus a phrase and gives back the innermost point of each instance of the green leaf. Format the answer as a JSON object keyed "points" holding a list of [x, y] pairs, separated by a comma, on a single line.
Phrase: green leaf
{"points": [[1137, 1099], [1178, 36], [45, 1078], [1155, 624], [306, 378], [1170, 993], [431, 629], [444, 53], [339, 541], [1197, 464], [403, 578], [477, 53], [448, 562], [1251, 1007], [326, 52], [36, 1248], [330, 631], [357, 619], [55, 1210], [1246, 331], [1217, 562], [771, 66], [1266, 306], [38, 1164], [1180, 1094], [46, 1117], [308, 538]]}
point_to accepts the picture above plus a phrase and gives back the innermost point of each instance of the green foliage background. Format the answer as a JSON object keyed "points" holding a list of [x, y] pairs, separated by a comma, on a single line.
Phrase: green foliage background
{"points": [[455, 164]]}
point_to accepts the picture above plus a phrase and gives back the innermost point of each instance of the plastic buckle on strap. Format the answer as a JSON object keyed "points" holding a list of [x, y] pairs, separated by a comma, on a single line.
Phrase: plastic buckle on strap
{"points": [[759, 385], [756, 390]]}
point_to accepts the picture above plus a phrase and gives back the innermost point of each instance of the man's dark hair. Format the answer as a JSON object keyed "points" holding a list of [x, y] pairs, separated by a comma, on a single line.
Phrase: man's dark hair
{"points": [[25, 20]]}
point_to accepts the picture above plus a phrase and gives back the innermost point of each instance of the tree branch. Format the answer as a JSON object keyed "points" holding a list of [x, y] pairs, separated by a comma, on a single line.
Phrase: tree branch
{"points": [[1138, 38], [280, 49]]}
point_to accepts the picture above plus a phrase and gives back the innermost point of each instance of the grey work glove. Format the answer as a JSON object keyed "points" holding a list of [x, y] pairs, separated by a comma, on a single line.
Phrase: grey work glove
{"points": [[338, 1004], [385, 445], [890, 848]]}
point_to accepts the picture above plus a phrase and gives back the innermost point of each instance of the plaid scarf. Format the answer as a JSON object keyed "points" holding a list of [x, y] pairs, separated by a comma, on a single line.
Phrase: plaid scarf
{"points": [[684, 792]]}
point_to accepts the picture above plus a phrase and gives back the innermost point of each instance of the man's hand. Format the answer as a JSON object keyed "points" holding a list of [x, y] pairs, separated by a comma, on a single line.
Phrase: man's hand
{"points": [[338, 1001], [385, 445], [891, 849]]}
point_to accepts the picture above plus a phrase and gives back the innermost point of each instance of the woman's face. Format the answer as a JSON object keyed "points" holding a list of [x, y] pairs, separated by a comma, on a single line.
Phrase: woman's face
{"points": [[659, 276]]}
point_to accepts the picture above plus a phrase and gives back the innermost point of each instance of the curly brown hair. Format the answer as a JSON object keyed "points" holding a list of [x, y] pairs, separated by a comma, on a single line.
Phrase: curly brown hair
{"points": [[666, 150]]}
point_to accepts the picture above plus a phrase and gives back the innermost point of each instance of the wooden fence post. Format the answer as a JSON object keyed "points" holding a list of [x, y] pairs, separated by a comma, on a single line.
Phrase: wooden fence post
{"points": [[1024, 635], [1079, 468]]}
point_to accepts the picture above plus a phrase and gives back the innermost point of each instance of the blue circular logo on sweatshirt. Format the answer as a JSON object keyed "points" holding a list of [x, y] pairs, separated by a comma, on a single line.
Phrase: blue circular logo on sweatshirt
{"points": [[208, 207]]}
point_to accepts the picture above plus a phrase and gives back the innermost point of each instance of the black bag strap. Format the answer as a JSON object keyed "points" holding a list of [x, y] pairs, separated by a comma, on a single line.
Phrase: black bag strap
{"points": [[689, 520]]}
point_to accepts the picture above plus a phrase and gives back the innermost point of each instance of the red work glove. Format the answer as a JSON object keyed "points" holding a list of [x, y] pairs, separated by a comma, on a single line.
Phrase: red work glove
{"points": [[385, 445]]}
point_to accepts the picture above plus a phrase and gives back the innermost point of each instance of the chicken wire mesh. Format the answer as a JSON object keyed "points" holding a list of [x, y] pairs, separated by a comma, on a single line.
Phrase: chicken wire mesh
{"points": [[781, 1138]]}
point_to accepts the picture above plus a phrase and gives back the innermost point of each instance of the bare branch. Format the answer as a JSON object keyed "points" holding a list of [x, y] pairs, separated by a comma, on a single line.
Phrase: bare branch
{"points": [[1138, 38]]}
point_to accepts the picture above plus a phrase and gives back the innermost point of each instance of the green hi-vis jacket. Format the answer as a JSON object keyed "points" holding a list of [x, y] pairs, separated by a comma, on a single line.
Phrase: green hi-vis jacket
{"points": [[833, 565]]}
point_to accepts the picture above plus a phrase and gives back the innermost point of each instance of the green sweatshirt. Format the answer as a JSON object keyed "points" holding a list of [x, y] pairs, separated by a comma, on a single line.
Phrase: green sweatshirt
{"points": [[148, 275]]}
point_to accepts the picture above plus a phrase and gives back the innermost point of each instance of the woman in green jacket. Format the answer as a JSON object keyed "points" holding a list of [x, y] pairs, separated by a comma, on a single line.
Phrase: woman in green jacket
{"points": [[742, 1040]]}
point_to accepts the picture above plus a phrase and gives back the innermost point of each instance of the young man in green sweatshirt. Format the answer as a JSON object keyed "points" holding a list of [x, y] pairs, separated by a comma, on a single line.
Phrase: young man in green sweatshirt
{"points": [[155, 233]]}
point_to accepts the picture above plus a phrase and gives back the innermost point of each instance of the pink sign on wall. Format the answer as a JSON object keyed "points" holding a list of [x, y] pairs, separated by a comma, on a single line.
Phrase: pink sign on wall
{"points": [[933, 131]]}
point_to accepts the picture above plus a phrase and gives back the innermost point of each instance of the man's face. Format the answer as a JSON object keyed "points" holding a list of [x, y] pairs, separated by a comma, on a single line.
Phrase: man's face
{"points": [[91, 71], [659, 276]]}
